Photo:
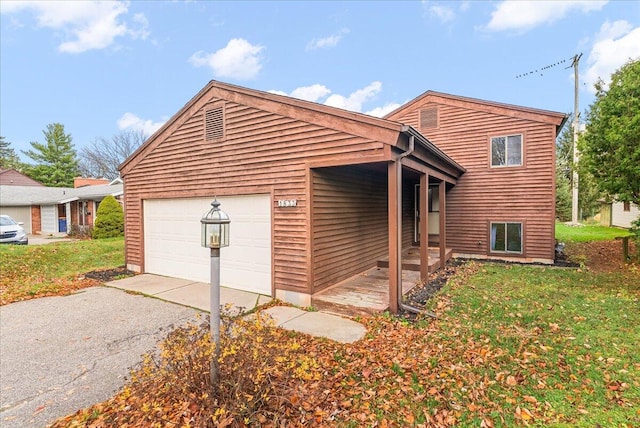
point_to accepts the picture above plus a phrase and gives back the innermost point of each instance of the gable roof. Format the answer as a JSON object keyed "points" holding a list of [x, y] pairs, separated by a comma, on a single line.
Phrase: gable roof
{"points": [[13, 177], [360, 124], [511, 110]]}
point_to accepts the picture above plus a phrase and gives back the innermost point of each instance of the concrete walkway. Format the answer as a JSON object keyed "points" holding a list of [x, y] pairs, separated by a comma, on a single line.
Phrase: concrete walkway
{"points": [[196, 295]]}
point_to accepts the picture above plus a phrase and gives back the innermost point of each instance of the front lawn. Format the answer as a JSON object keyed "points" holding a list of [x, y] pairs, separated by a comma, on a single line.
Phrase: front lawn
{"points": [[512, 345], [52, 269]]}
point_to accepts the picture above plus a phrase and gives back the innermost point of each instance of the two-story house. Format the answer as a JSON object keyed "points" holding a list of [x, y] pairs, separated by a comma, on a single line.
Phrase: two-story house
{"points": [[318, 195]]}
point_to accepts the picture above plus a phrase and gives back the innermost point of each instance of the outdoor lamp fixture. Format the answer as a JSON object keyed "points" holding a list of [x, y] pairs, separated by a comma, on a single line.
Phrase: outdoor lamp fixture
{"points": [[215, 235]]}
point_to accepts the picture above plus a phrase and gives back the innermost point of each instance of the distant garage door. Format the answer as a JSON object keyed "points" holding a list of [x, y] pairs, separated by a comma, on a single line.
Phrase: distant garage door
{"points": [[20, 215], [172, 241]]}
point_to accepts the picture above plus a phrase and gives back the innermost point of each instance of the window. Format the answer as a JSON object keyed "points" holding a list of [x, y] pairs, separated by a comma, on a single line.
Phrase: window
{"points": [[214, 124], [626, 206], [506, 238], [506, 151]]}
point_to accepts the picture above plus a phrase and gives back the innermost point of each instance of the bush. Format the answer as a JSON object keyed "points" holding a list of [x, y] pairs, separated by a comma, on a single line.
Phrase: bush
{"points": [[262, 374], [109, 219]]}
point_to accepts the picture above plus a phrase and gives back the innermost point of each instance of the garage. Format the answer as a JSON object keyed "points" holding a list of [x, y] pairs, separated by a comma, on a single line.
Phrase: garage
{"points": [[20, 215], [172, 241]]}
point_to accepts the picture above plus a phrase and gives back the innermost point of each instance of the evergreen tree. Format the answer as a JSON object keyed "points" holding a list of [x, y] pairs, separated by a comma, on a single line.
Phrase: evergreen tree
{"points": [[8, 157], [56, 160], [109, 219]]}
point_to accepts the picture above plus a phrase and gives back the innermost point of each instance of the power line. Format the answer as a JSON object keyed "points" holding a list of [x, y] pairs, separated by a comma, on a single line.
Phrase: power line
{"points": [[542, 69]]}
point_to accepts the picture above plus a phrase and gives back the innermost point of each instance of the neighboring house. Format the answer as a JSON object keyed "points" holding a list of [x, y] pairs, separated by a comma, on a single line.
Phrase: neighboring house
{"points": [[619, 214], [503, 207], [318, 195], [54, 209], [12, 177]]}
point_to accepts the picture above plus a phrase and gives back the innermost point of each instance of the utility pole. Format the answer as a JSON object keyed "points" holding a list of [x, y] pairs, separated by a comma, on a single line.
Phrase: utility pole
{"points": [[576, 133]]}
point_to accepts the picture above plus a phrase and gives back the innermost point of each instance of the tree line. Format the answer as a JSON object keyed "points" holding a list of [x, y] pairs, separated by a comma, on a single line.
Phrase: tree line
{"points": [[56, 162]]}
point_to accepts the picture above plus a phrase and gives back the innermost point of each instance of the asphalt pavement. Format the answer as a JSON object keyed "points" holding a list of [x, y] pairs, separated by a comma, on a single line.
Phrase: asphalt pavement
{"points": [[62, 354]]}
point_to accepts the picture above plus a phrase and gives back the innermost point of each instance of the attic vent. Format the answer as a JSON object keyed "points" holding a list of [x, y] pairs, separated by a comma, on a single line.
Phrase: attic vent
{"points": [[429, 117], [214, 124]]}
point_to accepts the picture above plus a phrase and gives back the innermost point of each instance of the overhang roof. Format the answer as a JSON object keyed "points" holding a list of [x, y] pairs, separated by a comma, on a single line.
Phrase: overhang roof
{"points": [[379, 129]]}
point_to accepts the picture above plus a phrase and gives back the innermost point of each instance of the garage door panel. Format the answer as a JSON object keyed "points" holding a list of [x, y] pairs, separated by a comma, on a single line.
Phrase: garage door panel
{"points": [[20, 215], [172, 241]]}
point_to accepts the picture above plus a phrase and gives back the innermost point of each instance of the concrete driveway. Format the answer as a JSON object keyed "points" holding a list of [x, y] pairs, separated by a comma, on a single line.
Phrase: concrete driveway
{"points": [[47, 239], [61, 354]]}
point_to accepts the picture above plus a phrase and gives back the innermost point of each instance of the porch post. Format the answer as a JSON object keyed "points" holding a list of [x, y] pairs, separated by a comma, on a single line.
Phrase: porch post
{"points": [[394, 218], [443, 224], [424, 227]]}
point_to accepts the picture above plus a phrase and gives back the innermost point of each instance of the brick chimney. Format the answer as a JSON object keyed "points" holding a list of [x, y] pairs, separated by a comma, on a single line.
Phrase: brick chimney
{"points": [[82, 182]]}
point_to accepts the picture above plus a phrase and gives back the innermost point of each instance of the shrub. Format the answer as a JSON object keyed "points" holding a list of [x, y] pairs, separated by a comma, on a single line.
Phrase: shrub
{"points": [[109, 219], [261, 371], [80, 232]]}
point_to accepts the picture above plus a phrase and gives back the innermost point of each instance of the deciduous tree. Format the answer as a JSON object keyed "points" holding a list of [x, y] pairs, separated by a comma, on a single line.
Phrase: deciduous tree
{"points": [[610, 149], [56, 160], [102, 157], [588, 194]]}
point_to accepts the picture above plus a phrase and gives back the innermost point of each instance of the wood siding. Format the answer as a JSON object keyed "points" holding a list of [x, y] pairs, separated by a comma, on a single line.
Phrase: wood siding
{"points": [[350, 232], [261, 152], [521, 194]]}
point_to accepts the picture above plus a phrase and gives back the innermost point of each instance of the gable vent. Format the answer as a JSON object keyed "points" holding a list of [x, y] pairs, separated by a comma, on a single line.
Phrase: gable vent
{"points": [[214, 124], [429, 117]]}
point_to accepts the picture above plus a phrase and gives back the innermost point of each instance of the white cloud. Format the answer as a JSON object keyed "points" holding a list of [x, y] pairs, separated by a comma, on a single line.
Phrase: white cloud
{"points": [[311, 93], [131, 121], [86, 25], [384, 110], [327, 42], [239, 60], [614, 45], [443, 13], [354, 102], [525, 15], [356, 99]]}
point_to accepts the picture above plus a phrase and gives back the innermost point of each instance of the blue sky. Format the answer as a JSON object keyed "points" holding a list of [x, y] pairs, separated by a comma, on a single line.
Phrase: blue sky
{"points": [[103, 67]]}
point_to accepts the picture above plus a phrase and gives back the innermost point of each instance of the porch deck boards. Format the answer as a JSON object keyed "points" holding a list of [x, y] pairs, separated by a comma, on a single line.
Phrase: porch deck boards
{"points": [[368, 292]]}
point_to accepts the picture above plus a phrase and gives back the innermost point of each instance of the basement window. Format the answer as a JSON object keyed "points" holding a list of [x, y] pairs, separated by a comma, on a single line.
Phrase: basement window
{"points": [[506, 151], [506, 238], [214, 123]]}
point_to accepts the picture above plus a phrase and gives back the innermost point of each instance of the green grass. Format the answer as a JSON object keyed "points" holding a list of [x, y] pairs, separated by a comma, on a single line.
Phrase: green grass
{"points": [[587, 233], [569, 337], [40, 270]]}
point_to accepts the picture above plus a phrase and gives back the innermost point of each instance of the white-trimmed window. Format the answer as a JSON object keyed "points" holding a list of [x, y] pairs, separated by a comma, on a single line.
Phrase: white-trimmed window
{"points": [[506, 150], [506, 237]]}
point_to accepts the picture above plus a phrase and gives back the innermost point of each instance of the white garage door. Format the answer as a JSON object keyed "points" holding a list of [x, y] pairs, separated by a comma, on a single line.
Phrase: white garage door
{"points": [[20, 215], [172, 241], [49, 218]]}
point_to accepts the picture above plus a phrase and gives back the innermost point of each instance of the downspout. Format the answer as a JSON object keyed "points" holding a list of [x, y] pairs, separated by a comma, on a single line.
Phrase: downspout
{"points": [[401, 304]]}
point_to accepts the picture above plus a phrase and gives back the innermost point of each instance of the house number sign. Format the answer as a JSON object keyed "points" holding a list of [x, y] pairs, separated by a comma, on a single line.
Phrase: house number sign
{"points": [[288, 203]]}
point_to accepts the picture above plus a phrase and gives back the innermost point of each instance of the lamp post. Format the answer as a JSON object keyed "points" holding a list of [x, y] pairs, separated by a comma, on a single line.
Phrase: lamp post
{"points": [[215, 235]]}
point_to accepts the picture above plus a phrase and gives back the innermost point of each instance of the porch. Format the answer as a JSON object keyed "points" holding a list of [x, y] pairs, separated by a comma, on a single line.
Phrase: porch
{"points": [[368, 292]]}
